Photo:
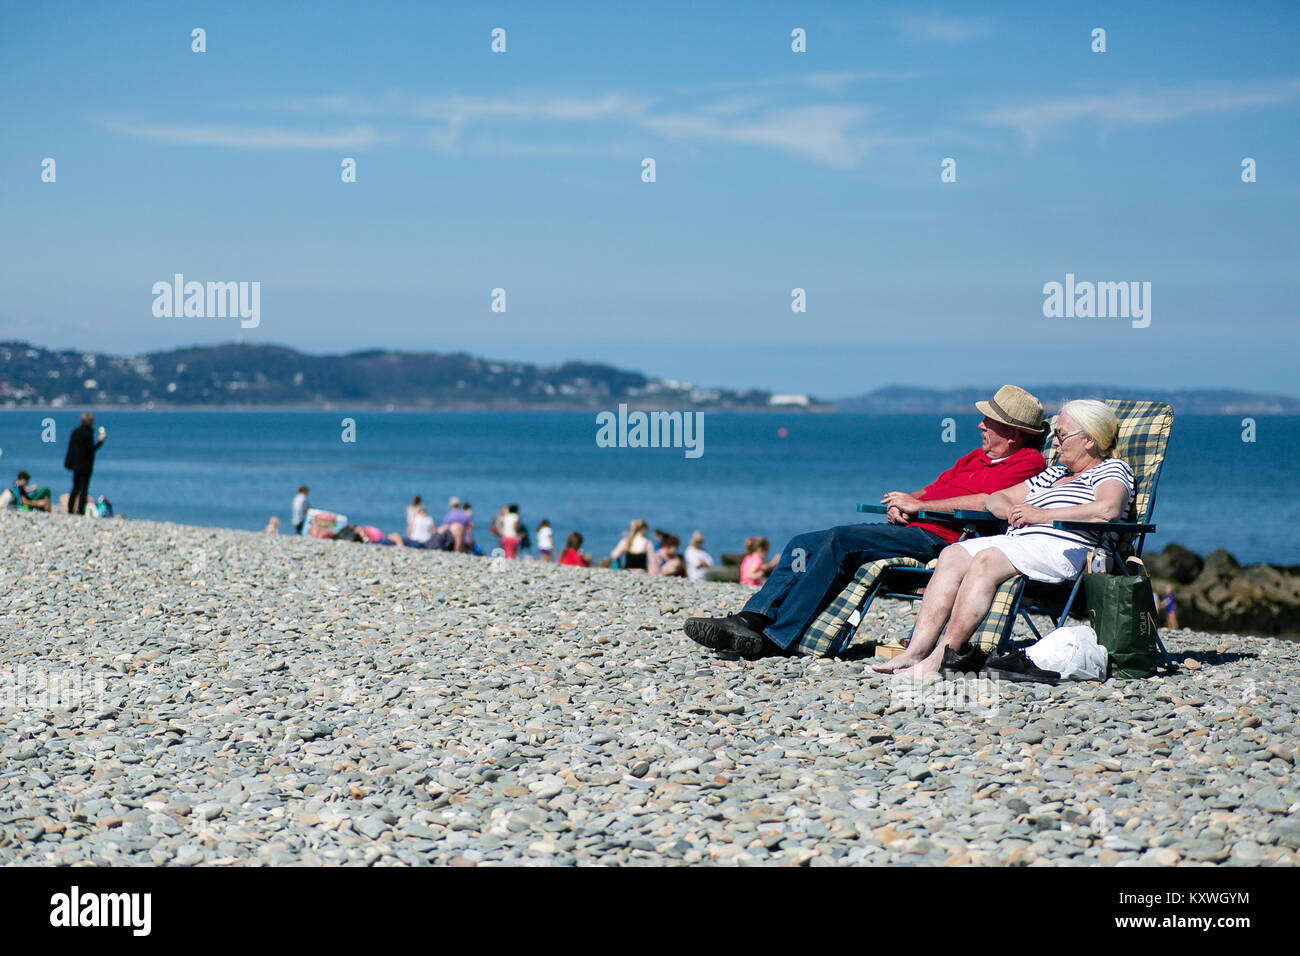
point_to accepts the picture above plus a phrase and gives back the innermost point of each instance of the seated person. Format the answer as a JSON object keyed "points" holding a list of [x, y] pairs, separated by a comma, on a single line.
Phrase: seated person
{"points": [[698, 561], [815, 566], [459, 517], [1089, 484], [754, 567], [573, 554], [671, 564], [636, 549], [27, 495]]}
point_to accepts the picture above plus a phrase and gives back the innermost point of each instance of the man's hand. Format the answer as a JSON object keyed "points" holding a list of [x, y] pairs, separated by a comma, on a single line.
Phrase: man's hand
{"points": [[896, 515], [903, 502], [1021, 515]]}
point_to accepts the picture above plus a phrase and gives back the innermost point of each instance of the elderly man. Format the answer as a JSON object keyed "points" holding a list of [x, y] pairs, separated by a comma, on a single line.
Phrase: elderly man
{"points": [[815, 566]]}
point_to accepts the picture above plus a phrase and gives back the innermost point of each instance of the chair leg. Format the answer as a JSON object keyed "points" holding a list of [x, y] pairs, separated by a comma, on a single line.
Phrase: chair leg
{"points": [[861, 612], [1074, 592], [1004, 642], [1030, 621], [1166, 659]]}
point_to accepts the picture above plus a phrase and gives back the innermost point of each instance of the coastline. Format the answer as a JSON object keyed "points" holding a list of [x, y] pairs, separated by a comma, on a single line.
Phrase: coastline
{"points": [[275, 700]]}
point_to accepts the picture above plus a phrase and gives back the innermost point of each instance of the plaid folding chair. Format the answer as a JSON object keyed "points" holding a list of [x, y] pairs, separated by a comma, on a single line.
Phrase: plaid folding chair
{"points": [[1144, 429]]}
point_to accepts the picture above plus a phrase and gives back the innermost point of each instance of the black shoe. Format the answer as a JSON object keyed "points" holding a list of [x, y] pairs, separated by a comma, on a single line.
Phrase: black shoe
{"points": [[968, 659], [725, 634], [1016, 666]]}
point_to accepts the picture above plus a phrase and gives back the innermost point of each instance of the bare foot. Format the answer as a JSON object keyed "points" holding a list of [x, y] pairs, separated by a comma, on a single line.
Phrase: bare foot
{"points": [[925, 668], [896, 664]]}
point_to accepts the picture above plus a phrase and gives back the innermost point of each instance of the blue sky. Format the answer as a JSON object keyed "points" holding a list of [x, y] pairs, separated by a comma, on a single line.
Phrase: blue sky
{"points": [[775, 170]]}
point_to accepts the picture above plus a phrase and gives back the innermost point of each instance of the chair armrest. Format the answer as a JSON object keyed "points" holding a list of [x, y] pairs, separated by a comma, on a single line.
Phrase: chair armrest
{"points": [[1123, 527], [956, 518], [983, 517]]}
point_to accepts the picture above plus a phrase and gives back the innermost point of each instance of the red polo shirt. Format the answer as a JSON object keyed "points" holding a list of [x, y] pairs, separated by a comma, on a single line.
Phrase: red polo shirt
{"points": [[975, 474]]}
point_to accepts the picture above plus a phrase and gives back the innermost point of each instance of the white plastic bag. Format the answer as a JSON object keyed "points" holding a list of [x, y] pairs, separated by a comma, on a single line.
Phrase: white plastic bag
{"points": [[1073, 652]]}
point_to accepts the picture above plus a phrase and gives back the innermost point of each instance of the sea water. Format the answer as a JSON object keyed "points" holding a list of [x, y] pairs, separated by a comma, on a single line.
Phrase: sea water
{"points": [[772, 474]]}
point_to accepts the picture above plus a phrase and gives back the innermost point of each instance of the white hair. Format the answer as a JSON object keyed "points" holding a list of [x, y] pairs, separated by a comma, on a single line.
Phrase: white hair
{"points": [[1096, 420]]}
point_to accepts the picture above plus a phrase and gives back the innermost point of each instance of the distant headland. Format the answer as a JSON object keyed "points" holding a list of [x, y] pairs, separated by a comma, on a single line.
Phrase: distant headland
{"points": [[237, 375]]}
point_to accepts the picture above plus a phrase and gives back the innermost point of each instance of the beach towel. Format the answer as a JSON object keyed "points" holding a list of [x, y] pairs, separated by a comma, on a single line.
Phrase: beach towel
{"points": [[834, 628], [323, 524]]}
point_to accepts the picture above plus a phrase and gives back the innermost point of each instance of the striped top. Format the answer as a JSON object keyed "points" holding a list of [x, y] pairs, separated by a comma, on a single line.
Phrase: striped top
{"points": [[1043, 493]]}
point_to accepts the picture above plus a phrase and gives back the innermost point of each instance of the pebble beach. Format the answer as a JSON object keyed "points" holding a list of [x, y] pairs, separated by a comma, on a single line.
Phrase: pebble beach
{"points": [[174, 695]]}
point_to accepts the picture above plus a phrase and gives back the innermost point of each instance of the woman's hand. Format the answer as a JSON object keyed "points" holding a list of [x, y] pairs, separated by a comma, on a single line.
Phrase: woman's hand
{"points": [[1022, 514]]}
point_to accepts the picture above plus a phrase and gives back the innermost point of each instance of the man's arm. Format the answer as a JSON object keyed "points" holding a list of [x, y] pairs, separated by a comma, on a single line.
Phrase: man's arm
{"points": [[911, 504], [1020, 470]]}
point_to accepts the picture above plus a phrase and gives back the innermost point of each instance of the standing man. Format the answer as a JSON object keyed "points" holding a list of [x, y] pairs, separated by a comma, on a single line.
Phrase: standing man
{"points": [[80, 460], [300, 507]]}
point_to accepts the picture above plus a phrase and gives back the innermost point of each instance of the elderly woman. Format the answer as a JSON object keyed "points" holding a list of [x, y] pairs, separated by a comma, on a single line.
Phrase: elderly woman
{"points": [[1088, 484]]}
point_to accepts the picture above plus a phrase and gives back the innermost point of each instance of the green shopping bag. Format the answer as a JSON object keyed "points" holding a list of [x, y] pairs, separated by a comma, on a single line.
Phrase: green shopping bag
{"points": [[1122, 610]]}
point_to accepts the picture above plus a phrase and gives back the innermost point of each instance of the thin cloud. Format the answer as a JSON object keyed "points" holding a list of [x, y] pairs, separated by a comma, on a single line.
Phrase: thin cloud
{"points": [[1139, 108], [248, 137], [948, 30], [463, 109], [826, 82], [825, 134], [538, 124]]}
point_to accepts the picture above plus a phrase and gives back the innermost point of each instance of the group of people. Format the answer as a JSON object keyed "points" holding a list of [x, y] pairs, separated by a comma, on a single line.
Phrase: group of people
{"points": [[1006, 476], [657, 553], [79, 459], [660, 553]]}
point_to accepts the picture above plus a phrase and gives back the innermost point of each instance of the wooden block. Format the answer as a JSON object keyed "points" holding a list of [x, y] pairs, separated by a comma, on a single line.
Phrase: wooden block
{"points": [[889, 651]]}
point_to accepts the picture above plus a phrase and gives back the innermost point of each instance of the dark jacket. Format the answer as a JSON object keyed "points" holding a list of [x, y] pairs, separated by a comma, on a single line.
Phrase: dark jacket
{"points": [[81, 449]]}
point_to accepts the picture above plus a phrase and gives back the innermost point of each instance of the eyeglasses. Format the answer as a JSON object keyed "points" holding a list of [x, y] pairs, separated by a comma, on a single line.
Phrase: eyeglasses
{"points": [[1060, 439]]}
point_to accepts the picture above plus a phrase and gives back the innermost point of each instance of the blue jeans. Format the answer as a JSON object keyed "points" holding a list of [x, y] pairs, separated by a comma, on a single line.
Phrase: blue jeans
{"points": [[829, 559]]}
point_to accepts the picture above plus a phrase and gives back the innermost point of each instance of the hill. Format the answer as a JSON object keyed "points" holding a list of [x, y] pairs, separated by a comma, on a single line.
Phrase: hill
{"points": [[271, 375]]}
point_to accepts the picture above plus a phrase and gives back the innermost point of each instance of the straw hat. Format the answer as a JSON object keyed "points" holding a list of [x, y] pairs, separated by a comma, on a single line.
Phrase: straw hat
{"points": [[1015, 407]]}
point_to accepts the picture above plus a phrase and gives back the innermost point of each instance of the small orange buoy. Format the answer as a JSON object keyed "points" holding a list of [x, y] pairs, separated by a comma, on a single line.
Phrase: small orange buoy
{"points": [[782, 432]]}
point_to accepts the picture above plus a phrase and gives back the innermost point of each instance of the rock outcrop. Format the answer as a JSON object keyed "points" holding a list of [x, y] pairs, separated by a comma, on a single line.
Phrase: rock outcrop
{"points": [[1221, 595]]}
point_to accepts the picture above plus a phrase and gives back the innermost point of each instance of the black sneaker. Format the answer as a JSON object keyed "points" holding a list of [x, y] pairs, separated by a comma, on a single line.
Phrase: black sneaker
{"points": [[725, 634], [1015, 665], [967, 659]]}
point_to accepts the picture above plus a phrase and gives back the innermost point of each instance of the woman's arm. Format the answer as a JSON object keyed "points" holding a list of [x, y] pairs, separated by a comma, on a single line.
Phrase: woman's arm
{"points": [[619, 549], [1109, 505], [1001, 502]]}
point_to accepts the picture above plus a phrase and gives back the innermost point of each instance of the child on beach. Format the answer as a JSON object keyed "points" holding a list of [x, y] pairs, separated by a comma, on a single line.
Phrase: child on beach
{"points": [[273, 526], [671, 563], [572, 554], [411, 510], [300, 507], [752, 571], [510, 531], [1169, 604], [545, 541]]}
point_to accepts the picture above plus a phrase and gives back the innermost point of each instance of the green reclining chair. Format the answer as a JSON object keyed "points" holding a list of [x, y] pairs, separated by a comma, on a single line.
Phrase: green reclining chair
{"points": [[1144, 429]]}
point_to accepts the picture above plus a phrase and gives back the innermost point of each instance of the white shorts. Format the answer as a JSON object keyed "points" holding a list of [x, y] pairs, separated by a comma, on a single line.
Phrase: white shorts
{"points": [[1038, 557]]}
